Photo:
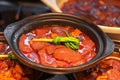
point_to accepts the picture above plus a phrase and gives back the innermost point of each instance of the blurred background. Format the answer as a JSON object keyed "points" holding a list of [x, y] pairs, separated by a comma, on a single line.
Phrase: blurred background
{"points": [[14, 10]]}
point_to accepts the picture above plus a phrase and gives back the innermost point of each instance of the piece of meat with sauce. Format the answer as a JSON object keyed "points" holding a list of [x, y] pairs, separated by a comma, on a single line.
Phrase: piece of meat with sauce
{"points": [[36, 46], [24, 48], [47, 59], [67, 55], [2, 47]]}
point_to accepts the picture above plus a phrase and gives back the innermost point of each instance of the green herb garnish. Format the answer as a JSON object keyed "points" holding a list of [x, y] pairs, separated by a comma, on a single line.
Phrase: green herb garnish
{"points": [[70, 42], [11, 56]]}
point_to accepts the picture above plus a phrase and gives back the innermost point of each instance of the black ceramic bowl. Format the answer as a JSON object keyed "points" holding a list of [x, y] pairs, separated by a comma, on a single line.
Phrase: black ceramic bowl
{"points": [[13, 31]]}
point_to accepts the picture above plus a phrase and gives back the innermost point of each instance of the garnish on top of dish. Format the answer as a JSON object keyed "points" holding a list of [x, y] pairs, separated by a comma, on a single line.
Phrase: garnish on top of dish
{"points": [[57, 46]]}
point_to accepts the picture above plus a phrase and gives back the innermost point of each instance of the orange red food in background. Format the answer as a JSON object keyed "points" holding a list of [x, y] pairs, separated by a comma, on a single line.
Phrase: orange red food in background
{"points": [[59, 55], [12, 69], [101, 12], [107, 69]]}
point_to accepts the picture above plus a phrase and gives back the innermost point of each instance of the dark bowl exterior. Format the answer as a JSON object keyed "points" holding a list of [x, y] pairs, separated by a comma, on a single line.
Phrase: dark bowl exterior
{"points": [[103, 43]]}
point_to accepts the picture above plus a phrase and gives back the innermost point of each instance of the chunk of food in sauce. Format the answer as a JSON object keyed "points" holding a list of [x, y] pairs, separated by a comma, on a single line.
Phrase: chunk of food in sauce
{"points": [[57, 46], [101, 12]]}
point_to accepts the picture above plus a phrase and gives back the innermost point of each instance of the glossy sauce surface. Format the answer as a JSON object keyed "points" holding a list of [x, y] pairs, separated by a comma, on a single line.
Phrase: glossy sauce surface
{"points": [[56, 55]]}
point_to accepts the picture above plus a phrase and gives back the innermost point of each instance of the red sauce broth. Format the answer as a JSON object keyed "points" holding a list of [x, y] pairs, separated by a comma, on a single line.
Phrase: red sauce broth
{"points": [[59, 55], [101, 12]]}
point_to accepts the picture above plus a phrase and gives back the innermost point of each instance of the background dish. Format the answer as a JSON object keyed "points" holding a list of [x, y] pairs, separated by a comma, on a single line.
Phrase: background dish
{"points": [[55, 6]]}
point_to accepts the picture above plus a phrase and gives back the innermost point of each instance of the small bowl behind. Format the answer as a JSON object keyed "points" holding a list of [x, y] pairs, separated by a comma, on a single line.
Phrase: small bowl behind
{"points": [[103, 43]]}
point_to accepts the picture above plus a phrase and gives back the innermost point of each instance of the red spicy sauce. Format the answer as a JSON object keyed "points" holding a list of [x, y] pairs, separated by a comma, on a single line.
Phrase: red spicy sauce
{"points": [[56, 55]]}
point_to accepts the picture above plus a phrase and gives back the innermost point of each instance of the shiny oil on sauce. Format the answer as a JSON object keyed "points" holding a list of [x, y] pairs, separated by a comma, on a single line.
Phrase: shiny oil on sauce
{"points": [[56, 55]]}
